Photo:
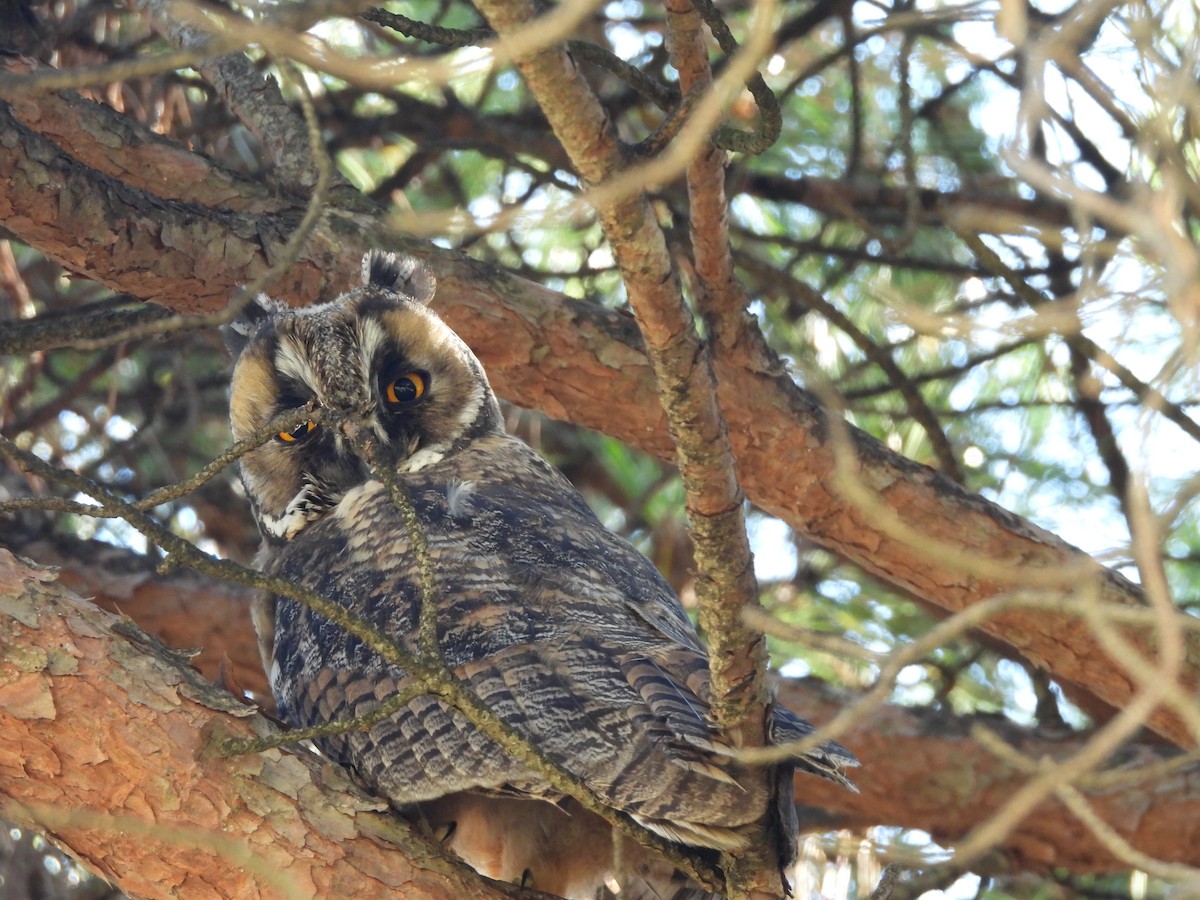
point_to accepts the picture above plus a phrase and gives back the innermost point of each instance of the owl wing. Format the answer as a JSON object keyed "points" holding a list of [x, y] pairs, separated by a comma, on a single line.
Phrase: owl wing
{"points": [[564, 630]]}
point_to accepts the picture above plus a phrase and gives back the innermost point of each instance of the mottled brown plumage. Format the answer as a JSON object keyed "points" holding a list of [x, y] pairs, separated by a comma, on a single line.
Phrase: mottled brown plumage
{"points": [[562, 628]]}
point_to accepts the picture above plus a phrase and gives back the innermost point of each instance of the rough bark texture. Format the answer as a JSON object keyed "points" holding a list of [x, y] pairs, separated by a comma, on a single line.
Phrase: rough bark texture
{"points": [[103, 741], [138, 243], [921, 768], [571, 360], [116, 146], [682, 372]]}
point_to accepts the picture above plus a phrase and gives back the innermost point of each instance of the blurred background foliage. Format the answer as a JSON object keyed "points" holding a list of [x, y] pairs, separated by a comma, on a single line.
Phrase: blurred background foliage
{"points": [[925, 243]]}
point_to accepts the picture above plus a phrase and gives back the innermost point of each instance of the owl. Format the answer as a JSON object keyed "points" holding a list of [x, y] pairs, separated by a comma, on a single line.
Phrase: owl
{"points": [[565, 631]]}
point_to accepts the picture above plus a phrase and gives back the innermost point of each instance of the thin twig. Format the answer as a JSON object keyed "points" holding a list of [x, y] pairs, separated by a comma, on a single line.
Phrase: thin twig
{"points": [[432, 675]]}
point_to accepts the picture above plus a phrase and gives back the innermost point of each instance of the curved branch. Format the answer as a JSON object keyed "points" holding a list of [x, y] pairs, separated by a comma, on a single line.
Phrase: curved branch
{"points": [[104, 737], [683, 373], [192, 259], [922, 767]]}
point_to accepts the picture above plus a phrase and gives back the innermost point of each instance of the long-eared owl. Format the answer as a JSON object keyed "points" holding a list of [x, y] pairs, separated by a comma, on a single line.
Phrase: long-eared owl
{"points": [[565, 631]]}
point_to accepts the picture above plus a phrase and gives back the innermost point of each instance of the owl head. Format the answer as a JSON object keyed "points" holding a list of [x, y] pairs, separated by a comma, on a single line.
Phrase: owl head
{"points": [[392, 383]]}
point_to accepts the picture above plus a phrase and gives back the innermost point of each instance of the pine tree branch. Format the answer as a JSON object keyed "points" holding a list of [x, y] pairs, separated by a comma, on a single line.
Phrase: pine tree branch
{"points": [[922, 769], [896, 519], [104, 744]]}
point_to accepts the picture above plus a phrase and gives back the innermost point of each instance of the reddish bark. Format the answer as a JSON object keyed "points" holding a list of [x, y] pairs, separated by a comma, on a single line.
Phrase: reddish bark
{"points": [[921, 768], [571, 360], [104, 748]]}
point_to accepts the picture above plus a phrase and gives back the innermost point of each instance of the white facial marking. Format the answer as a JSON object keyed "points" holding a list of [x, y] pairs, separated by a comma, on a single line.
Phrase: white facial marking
{"points": [[470, 409], [370, 338], [293, 362], [295, 517]]}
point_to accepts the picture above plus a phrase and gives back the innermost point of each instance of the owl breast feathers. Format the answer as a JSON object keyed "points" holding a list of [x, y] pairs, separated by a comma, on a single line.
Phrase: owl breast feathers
{"points": [[564, 630]]}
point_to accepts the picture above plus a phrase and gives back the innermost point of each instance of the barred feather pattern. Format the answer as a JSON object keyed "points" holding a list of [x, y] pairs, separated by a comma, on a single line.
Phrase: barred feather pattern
{"points": [[563, 629]]}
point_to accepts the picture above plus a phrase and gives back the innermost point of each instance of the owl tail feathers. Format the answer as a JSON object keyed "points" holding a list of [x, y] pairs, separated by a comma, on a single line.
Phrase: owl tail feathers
{"points": [[828, 760], [695, 834]]}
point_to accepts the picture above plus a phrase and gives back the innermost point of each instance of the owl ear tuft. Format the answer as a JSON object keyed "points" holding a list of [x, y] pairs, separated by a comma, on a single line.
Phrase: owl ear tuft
{"points": [[400, 274], [238, 332]]}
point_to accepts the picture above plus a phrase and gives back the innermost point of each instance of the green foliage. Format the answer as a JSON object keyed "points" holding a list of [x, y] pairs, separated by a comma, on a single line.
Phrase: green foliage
{"points": [[854, 236]]}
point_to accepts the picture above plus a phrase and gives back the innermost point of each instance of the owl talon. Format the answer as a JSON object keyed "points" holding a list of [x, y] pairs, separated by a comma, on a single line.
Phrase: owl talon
{"points": [[526, 879], [450, 827]]}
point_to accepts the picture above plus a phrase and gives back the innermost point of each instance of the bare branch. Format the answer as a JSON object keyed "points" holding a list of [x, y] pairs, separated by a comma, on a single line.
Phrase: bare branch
{"points": [[683, 374], [922, 768]]}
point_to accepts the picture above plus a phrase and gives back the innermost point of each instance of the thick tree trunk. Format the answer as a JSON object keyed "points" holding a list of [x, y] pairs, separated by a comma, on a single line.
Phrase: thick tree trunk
{"points": [[921, 768], [915, 530], [103, 748]]}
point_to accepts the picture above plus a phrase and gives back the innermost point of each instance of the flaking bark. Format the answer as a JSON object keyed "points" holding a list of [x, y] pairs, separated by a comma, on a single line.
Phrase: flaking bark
{"points": [[192, 258], [922, 769], [104, 749]]}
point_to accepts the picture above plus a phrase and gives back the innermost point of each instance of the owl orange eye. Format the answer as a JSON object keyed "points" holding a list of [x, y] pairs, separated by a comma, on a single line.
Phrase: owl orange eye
{"points": [[408, 387], [300, 432]]}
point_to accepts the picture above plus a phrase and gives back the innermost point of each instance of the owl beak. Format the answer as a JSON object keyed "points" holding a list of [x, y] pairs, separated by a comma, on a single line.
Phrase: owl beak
{"points": [[354, 431], [360, 435]]}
